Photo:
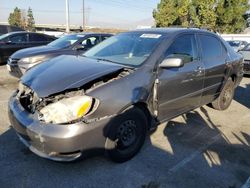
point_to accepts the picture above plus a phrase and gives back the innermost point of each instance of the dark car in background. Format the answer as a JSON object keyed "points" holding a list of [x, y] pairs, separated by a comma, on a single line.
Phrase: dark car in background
{"points": [[11, 42], [72, 44], [110, 96], [9, 28], [246, 55], [237, 44]]}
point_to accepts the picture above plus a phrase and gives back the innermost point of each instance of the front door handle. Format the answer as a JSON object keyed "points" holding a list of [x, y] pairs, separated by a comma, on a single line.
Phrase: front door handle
{"points": [[199, 69]]}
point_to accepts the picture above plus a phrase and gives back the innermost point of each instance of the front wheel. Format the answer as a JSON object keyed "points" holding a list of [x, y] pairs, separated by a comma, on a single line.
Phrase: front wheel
{"points": [[226, 96], [126, 135]]}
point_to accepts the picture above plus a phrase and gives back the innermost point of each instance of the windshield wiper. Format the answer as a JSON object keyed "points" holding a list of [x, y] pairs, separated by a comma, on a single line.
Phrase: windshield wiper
{"points": [[103, 59]]}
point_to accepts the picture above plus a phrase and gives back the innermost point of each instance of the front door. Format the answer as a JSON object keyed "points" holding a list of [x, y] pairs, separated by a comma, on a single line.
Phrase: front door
{"points": [[180, 89], [14, 43]]}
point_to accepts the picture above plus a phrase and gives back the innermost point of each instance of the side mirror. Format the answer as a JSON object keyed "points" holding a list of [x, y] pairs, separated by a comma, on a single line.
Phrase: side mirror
{"points": [[171, 63]]}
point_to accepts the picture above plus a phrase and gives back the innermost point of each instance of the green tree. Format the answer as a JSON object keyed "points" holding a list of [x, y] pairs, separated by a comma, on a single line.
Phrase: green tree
{"points": [[230, 15], [30, 20], [184, 15], [204, 14], [165, 14], [220, 15], [15, 18]]}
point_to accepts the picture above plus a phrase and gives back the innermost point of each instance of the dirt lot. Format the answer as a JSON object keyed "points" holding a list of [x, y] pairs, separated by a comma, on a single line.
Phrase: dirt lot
{"points": [[203, 148]]}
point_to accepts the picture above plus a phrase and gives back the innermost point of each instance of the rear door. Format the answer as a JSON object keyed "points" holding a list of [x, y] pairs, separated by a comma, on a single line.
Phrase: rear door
{"points": [[180, 89], [36, 39], [214, 57]]}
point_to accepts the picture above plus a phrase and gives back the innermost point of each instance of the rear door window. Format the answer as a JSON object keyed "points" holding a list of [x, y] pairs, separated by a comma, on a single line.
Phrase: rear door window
{"points": [[211, 47], [36, 38]]}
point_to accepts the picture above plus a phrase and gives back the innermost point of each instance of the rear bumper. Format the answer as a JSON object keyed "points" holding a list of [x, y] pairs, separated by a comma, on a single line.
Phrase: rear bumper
{"points": [[56, 142]]}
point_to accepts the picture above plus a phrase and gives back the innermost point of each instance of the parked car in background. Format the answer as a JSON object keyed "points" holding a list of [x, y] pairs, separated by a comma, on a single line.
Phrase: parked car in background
{"points": [[246, 55], [8, 28], [72, 44], [109, 97], [237, 44], [11, 42], [49, 31]]}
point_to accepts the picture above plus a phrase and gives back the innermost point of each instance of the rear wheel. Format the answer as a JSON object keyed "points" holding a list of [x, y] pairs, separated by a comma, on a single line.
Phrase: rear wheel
{"points": [[127, 135], [226, 96]]}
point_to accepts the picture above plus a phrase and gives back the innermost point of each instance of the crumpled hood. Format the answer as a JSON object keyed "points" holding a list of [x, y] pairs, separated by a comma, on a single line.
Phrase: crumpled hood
{"points": [[34, 51], [65, 72]]}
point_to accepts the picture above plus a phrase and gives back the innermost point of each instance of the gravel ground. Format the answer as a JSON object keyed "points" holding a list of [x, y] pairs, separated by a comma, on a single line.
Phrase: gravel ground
{"points": [[202, 148]]}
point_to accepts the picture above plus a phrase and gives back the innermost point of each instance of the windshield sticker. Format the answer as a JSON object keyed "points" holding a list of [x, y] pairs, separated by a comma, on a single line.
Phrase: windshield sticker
{"points": [[152, 36]]}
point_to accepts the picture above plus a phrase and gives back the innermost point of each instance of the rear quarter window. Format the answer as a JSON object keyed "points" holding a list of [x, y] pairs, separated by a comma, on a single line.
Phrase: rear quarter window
{"points": [[37, 38], [211, 47]]}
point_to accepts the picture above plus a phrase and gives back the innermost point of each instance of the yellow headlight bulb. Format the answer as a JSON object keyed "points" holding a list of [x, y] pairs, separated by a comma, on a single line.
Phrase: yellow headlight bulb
{"points": [[85, 107]]}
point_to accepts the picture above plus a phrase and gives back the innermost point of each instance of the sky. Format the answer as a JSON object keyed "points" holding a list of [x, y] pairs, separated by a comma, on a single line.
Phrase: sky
{"points": [[125, 14]]}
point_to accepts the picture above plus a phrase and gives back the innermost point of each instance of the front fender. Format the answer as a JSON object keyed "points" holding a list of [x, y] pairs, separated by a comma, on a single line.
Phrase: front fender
{"points": [[119, 94]]}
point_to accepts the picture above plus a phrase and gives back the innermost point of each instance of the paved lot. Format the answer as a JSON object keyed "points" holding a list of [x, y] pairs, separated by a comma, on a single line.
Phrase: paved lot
{"points": [[203, 148]]}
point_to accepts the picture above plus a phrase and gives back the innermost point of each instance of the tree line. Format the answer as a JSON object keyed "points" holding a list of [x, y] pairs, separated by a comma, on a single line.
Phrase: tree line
{"points": [[19, 19], [223, 16]]}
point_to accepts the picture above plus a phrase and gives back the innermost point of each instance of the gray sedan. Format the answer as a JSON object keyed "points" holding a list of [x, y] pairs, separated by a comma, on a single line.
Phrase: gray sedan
{"points": [[107, 98]]}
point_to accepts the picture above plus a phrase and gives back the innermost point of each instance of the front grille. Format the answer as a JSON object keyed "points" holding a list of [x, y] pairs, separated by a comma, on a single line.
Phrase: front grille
{"points": [[246, 67], [13, 61]]}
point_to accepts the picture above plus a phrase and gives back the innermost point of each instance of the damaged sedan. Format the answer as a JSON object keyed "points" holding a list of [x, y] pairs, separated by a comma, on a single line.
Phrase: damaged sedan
{"points": [[107, 98]]}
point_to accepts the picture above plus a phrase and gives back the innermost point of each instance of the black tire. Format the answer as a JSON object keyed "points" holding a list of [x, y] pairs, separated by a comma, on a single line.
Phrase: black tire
{"points": [[226, 96], [126, 135]]}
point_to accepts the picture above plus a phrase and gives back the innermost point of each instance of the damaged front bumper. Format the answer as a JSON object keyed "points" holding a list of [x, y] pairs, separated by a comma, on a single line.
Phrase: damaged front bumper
{"points": [[56, 142], [246, 67]]}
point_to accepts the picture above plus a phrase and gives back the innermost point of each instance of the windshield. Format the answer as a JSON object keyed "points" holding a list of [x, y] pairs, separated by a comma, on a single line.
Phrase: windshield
{"points": [[65, 41], [130, 49], [3, 36]]}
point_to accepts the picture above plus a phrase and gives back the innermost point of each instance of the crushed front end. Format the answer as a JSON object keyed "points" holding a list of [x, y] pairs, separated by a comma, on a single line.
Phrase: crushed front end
{"points": [[60, 141]]}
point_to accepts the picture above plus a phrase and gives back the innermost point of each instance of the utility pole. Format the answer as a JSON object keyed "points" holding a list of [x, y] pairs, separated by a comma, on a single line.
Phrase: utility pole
{"points": [[67, 16], [83, 15]]}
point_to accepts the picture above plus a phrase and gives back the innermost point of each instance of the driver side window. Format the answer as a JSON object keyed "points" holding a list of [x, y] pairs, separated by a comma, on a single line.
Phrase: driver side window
{"points": [[20, 38], [183, 47]]}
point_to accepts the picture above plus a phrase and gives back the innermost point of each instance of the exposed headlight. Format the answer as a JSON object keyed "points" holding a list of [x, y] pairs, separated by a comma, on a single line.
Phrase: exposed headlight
{"points": [[32, 60], [67, 110]]}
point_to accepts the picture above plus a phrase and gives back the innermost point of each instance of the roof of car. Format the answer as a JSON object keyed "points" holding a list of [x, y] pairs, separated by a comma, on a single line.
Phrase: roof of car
{"points": [[17, 32], [89, 33], [170, 30]]}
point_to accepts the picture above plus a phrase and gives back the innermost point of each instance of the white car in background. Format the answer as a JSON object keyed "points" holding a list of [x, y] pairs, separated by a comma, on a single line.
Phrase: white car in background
{"points": [[237, 44], [246, 55]]}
